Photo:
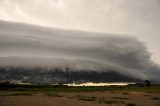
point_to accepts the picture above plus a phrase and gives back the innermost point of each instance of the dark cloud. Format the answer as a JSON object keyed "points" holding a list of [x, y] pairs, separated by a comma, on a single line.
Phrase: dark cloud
{"points": [[24, 45], [134, 18], [38, 75]]}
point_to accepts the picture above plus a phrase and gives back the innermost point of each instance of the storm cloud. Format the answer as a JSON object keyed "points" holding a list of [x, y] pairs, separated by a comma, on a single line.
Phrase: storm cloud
{"points": [[25, 45], [135, 18]]}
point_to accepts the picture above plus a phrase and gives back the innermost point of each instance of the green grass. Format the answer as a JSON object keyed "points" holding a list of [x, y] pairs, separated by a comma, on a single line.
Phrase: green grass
{"points": [[63, 88], [17, 94]]}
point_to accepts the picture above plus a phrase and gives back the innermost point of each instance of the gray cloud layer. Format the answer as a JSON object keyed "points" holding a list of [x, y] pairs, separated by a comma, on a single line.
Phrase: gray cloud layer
{"points": [[28, 45], [138, 18]]}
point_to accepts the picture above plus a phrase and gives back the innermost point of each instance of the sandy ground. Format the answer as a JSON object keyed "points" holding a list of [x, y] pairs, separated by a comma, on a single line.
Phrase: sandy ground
{"points": [[81, 99]]}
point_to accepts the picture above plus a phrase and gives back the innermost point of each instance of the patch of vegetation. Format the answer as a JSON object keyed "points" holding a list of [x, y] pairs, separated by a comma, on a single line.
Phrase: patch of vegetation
{"points": [[110, 101], [101, 100], [54, 94], [119, 98], [125, 93], [156, 98], [147, 95], [20, 94], [86, 98], [64, 88], [130, 104], [78, 95], [4, 94]]}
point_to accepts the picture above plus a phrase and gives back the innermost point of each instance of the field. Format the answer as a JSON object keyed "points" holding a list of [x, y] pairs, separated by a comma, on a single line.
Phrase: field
{"points": [[46, 95]]}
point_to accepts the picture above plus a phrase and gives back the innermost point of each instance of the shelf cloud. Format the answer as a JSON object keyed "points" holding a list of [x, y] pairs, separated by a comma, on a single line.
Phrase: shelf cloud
{"points": [[26, 45], [139, 19]]}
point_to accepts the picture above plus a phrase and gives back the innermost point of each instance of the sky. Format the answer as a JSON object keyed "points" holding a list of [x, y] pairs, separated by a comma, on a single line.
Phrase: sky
{"points": [[123, 34], [138, 18]]}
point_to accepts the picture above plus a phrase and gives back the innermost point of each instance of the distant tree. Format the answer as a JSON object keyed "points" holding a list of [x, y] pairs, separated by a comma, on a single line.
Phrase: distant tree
{"points": [[60, 84], [147, 83]]}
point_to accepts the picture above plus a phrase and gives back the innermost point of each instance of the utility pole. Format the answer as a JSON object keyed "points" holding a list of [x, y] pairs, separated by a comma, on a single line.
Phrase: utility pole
{"points": [[67, 75]]}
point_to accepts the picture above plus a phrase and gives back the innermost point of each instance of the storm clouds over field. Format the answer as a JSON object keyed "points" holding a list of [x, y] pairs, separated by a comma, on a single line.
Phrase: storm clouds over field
{"points": [[29, 46], [94, 38]]}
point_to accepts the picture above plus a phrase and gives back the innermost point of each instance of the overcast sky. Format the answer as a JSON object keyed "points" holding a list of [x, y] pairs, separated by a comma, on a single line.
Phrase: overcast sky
{"points": [[122, 35], [138, 18]]}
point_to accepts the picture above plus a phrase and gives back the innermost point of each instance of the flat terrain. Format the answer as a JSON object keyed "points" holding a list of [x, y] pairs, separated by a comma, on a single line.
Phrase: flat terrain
{"points": [[81, 97]]}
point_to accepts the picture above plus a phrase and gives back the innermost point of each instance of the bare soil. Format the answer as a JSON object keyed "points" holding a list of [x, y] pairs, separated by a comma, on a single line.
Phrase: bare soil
{"points": [[80, 99]]}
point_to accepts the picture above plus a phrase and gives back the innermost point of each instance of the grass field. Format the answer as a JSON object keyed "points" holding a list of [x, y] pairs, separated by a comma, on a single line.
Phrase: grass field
{"points": [[64, 88], [47, 95]]}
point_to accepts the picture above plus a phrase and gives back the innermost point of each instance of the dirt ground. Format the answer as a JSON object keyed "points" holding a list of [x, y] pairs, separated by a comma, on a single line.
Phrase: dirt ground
{"points": [[80, 99]]}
